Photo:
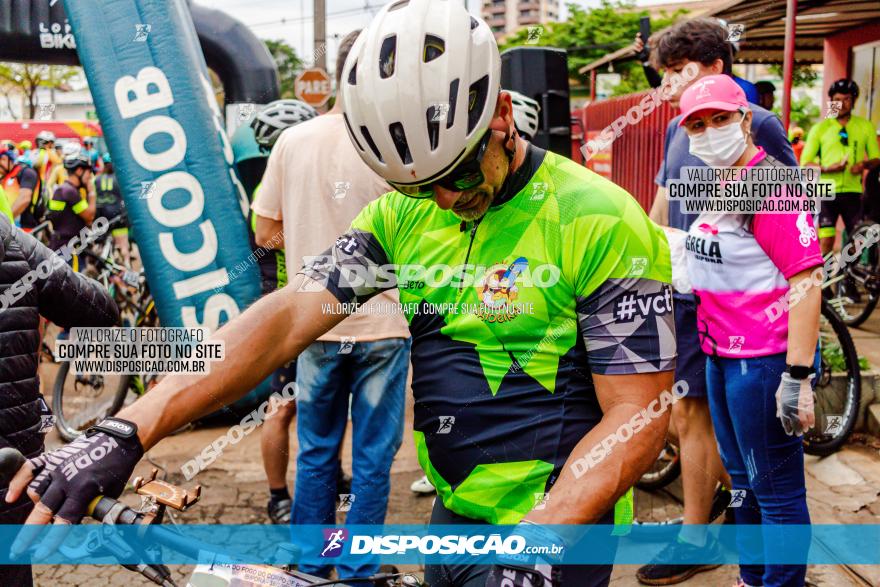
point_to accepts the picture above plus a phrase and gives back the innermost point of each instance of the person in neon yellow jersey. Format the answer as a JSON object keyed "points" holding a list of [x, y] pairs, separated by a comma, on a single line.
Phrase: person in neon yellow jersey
{"points": [[845, 146]]}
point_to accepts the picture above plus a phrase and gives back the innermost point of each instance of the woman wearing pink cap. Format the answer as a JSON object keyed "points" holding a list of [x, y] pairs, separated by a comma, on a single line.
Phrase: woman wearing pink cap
{"points": [[759, 372]]}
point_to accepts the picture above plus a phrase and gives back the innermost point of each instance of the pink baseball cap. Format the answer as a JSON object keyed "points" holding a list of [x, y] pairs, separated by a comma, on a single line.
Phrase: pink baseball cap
{"points": [[713, 92]]}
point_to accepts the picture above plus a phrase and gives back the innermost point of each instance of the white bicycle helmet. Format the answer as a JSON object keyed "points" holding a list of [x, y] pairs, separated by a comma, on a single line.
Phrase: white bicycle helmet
{"points": [[276, 116], [525, 114], [70, 149], [419, 89], [43, 137]]}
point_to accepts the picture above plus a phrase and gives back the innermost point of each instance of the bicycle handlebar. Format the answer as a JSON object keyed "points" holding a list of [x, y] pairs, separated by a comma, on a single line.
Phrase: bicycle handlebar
{"points": [[11, 461], [108, 510]]}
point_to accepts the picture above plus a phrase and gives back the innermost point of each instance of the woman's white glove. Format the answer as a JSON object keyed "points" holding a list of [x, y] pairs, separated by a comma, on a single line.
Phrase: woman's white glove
{"points": [[794, 404]]}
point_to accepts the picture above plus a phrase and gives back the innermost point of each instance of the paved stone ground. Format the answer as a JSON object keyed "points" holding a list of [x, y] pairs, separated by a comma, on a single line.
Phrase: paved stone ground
{"points": [[843, 488]]}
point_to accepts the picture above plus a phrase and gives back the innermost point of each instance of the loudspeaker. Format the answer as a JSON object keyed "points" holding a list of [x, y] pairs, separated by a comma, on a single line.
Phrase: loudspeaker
{"points": [[541, 73]]}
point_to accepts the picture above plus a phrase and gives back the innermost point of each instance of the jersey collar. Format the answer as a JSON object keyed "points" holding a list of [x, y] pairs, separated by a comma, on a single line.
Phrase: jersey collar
{"points": [[517, 180]]}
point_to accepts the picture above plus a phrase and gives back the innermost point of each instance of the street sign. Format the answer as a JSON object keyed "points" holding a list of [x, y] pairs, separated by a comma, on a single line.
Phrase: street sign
{"points": [[312, 86]]}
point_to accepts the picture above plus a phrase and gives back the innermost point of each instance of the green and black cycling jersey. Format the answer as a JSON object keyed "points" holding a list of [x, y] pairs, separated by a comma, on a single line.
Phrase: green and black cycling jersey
{"points": [[510, 315], [108, 197], [273, 267], [64, 210]]}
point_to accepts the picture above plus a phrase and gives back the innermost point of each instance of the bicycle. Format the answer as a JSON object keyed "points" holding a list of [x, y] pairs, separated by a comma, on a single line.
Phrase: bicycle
{"points": [[836, 405], [857, 289], [158, 495], [93, 397]]}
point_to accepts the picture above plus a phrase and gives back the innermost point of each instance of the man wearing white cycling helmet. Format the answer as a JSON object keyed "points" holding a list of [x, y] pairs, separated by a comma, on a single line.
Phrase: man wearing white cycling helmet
{"points": [[537, 295], [423, 107], [526, 115]]}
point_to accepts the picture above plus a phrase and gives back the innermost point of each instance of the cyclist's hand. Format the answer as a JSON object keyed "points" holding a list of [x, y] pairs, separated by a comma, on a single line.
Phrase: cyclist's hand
{"points": [[794, 404], [857, 168], [836, 167], [521, 571], [539, 575], [638, 43], [62, 483]]}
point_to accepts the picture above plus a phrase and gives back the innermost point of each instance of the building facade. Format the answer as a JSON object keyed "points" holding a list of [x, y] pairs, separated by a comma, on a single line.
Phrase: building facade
{"points": [[508, 16]]}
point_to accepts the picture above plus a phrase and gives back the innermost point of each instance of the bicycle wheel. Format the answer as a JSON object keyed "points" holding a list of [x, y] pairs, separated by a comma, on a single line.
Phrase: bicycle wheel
{"points": [[858, 291], [79, 401], [838, 388], [665, 470]]}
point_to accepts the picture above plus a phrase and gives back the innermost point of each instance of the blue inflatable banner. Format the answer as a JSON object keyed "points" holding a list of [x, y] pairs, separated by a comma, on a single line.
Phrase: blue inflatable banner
{"points": [[161, 120]]}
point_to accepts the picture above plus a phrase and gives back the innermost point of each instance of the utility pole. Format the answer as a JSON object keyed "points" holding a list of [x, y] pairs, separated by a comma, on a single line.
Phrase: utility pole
{"points": [[320, 20]]}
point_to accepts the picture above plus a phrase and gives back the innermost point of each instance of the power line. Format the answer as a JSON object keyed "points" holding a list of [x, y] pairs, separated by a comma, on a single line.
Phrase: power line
{"points": [[285, 20]]}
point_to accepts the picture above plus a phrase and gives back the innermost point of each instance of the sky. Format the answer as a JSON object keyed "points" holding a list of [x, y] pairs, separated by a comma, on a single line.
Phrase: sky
{"points": [[264, 18]]}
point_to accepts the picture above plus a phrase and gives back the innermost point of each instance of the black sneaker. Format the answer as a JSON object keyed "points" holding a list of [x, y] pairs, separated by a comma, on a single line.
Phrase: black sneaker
{"points": [[664, 570]]}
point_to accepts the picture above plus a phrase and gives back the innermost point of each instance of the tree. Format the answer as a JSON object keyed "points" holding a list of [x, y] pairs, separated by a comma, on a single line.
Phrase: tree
{"points": [[801, 75], [803, 112], [26, 78], [288, 63], [591, 33]]}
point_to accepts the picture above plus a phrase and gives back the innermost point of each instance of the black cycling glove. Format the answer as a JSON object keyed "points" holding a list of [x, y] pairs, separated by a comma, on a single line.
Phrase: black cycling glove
{"points": [[543, 572], [539, 575], [98, 463]]}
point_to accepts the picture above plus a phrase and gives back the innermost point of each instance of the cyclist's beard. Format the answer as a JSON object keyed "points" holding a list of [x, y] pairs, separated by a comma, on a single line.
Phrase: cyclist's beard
{"points": [[478, 200], [475, 202]]}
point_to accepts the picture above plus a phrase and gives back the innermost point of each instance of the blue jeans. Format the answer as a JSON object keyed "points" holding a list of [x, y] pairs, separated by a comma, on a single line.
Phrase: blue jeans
{"points": [[373, 375], [760, 457]]}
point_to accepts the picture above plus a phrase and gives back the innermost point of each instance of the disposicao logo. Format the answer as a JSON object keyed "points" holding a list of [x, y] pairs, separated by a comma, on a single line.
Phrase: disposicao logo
{"points": [[333, 541]]}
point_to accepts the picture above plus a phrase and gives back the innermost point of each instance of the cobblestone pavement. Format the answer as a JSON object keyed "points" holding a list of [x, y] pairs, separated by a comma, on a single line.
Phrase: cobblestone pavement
{"points": [[843, 488]]}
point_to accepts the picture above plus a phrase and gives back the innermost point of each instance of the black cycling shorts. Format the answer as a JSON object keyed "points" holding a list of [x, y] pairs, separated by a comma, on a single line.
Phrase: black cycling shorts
{"points": [[463, 575], [847, 205]]}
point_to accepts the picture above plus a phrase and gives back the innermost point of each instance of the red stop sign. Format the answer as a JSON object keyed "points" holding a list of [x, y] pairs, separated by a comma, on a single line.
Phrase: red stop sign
{"points": [[312, 86]]}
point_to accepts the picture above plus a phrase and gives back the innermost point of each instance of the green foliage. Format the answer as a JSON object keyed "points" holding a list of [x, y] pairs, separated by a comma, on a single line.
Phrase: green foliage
{"points": [[288, 63], [591, 33], [832, 354], [803, 112], [27, 78], [803, 75]]}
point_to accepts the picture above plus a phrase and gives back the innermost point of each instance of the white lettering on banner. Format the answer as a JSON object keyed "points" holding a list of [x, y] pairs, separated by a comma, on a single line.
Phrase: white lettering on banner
{"points": [[448, 544], [154, 125], [190, 261], [228, 155], [143, 99], [147, 92]]}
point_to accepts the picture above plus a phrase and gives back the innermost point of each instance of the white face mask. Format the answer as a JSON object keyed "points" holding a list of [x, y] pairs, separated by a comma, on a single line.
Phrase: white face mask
{"points": [[719, 147]]}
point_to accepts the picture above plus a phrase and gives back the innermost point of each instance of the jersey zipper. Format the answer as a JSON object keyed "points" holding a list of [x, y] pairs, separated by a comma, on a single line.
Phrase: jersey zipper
{"points": [[470, 245]]}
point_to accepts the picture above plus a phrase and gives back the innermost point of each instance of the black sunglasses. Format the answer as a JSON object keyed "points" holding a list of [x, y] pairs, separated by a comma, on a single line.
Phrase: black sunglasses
{"points": [[466, 175], [844, 137]]}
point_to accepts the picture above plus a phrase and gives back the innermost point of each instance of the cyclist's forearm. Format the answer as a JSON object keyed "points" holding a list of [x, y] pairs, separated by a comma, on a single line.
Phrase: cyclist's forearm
{"points": [[268, 334], [21, 202], [660, 208], [593, 477], [803, 322]]}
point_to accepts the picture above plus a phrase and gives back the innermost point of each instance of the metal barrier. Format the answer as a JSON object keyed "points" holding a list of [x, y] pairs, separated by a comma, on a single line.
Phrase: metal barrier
{"points": [[634, 157]]}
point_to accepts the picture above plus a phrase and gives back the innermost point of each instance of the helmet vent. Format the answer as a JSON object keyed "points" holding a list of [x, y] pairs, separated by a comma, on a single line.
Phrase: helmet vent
{"points": [[398, 5], [432, 118], [477, 101], [386, 57], [366, 134], [474, 23], [399, 138], [453, 100], [434, 48], [351, 132], [352, 74]]}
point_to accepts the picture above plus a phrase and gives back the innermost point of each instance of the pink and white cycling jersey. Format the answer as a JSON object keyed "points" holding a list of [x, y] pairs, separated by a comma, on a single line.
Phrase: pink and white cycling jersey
{"points": [[739, 265]]}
